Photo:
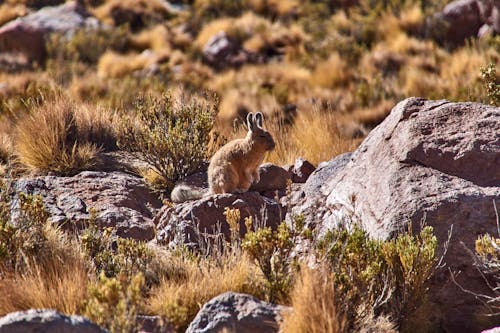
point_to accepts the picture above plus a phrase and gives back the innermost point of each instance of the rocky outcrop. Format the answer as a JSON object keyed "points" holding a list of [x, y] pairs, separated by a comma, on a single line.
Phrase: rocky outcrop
{"points": [[462, 19], [118, 200], [46, 321], [233, 312], [429, 160], [222, 52], [184, 223], [26, 35]]}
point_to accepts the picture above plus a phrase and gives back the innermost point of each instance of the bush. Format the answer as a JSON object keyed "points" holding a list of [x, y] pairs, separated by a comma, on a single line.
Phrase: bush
{"points": [[272, 250], [171, 137], [114, 303], [489, 77], [381, 277]]}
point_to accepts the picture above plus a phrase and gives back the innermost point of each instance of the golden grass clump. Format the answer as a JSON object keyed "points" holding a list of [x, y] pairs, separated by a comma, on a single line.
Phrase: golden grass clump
{"points": [[155, 39], [332, 72], [315, 135], [61, 137], [314, 305], [181, 297], [57, 279], [115, 65]]}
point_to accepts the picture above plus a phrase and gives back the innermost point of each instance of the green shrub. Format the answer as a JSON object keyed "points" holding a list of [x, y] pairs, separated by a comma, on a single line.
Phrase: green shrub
{"points": [[119, 256], [489, 77], [381, 277], [272, 251], [171, 137], [115, 303]]}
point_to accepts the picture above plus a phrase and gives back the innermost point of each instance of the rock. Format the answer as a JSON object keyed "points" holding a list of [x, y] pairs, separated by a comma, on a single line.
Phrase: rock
{"points": [[431, 160], [492, 330], [46, 321], [119, 200], [182, 223], [463, 19], [301, 170], [153, 324], [272, 178], [234, 312], [222, 52], [26, 35]]}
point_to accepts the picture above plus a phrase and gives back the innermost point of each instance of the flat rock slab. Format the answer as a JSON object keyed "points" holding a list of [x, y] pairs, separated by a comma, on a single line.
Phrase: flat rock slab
{"points": [[118, 199]]}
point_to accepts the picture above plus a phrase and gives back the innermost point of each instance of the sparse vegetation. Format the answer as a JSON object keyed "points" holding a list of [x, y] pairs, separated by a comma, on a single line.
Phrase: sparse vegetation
{"points": [[322, 72]]}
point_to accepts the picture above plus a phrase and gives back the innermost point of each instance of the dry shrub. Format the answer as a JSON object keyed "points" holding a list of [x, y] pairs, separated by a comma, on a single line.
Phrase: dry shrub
{"points": [[314, 305], [115, 65], [179, 298]]}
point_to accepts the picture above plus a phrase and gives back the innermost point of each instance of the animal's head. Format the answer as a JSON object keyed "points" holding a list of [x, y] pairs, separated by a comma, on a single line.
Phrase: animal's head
{"points": [[258, 134]]}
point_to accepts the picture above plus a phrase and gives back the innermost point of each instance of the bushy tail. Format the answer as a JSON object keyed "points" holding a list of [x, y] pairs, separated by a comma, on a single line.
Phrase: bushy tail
{"points": [[183, 193]]}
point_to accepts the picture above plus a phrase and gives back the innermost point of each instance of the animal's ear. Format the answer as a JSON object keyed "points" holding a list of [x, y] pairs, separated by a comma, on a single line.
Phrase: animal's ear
{"points": [[250, 122], [259, 119]]}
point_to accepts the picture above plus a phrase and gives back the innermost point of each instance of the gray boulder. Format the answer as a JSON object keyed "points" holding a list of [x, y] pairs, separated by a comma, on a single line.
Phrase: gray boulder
{"points": [[118, 199], [233, 312], [428, 160], [46, 321], [27, 35]]}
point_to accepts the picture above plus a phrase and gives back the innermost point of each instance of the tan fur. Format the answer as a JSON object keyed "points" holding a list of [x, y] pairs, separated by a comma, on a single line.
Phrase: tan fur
{"points": [[234, 167]]}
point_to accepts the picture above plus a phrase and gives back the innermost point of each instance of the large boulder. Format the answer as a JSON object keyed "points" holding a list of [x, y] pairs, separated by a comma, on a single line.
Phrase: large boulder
{"points": [[233, 312], [429, 160], [118, 200], [46, 321], [184, 223], [27, 35], [463, 19]]}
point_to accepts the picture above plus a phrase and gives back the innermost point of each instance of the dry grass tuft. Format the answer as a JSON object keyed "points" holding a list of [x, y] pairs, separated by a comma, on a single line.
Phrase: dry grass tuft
{"points": [[315, 135], [315, 308], [332, 72], [57, 280], [181, 297], [115, 65], [155, 39], [48, 139]]}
